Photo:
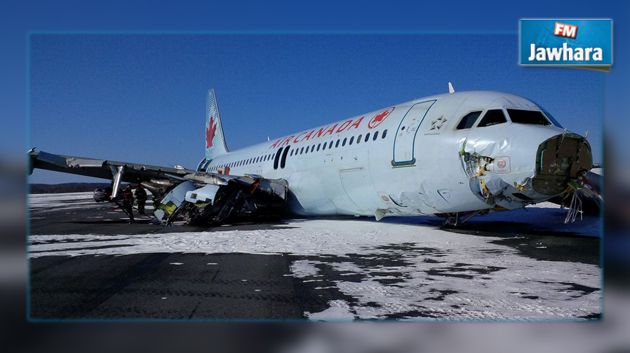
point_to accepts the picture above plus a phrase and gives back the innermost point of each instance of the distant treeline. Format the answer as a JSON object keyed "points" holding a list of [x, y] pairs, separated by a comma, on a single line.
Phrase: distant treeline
{"points": [[66, 187]]}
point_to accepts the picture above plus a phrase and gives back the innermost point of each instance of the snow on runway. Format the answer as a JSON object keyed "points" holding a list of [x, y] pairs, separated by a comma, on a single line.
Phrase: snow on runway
{"points": [[381, 269]]}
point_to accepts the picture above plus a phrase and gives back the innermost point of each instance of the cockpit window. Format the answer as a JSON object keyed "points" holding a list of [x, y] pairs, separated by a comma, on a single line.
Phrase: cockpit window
{"points": [[492, 117], [531, 117], [468, 120], [550, 117]]}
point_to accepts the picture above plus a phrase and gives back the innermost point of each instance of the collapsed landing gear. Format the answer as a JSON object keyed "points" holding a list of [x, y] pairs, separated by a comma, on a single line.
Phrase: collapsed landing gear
{"points": [[452, 219], [457, 218]]}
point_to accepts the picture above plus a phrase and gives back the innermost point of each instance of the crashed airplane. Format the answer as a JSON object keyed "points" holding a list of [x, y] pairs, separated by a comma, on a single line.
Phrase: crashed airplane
{"points": [[453, 155]]}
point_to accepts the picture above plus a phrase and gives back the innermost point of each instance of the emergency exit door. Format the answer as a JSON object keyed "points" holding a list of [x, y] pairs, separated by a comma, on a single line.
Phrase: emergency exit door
{"points": [[406, 134]]}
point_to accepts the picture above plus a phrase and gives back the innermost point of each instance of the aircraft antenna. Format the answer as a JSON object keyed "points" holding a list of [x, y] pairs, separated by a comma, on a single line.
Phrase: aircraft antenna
{"points": [[451, 90]]}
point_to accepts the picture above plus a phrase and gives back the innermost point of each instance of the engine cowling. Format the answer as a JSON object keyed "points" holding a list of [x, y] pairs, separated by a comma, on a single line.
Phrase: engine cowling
{"points": [[211, 204]]}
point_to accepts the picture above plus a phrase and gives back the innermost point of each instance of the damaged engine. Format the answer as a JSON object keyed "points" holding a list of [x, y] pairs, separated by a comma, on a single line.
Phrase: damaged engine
{"points": [[211, 199]]}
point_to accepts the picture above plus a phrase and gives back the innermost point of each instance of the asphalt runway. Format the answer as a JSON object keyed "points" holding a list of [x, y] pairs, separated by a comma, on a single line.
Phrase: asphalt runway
{"points": [[87, 262]]}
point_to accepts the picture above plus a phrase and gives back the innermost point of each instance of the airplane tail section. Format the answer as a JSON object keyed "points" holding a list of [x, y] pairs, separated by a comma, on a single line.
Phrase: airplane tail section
{"points": [[215, 141]]}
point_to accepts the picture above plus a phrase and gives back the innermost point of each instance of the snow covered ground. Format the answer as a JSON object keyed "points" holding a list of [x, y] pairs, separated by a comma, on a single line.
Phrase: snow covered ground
{"points": [[404, 269]]}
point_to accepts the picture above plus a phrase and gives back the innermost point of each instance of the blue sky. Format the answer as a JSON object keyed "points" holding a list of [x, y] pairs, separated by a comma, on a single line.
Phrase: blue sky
{"points": [[141, 97], [133, 95]]}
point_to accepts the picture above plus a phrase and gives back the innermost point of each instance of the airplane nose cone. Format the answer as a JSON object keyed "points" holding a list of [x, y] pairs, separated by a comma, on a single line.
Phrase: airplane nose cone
{"points": [[559, 160], [530, 167]]}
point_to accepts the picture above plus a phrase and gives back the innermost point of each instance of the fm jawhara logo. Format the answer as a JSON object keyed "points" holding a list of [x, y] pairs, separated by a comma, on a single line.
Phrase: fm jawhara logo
{"points": [[566, 42]]}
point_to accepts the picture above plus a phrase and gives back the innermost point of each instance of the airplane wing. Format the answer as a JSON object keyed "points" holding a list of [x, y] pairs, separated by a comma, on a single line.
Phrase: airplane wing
{"points": [[101, 168], [199, 197]]}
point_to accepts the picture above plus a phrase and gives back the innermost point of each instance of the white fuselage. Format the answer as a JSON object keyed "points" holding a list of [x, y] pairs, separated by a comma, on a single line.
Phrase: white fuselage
{"points": [[400, 160]]}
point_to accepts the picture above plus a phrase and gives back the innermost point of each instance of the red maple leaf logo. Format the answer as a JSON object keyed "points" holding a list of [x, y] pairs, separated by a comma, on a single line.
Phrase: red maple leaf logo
{"points": [[210, 132], [379, 118]]}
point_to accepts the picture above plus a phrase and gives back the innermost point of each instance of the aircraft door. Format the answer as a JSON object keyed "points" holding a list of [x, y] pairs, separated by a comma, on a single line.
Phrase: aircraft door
{"points": [[404, 140]]}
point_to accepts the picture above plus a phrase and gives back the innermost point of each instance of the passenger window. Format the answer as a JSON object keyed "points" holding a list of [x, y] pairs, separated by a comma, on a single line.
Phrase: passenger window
{"points": [[468, 120], [312, 148], [351, 140], [318, 146], [367, 137], [375, 136], [384, 133], [276, 159], [359, 138], [343, 143], [531, 117], [283, 160], [337, 144], [492, 117], [330, 144]]}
